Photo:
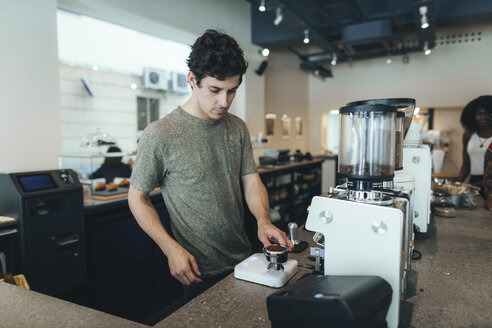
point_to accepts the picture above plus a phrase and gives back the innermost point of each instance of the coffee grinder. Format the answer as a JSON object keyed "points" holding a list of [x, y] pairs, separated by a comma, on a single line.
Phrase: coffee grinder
{"points": [[412, 159], [403, 184], [362, 223]]}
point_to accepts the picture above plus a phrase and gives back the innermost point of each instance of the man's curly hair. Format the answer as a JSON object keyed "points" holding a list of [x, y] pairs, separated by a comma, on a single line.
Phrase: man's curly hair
{"points": [[467, 118], [217, 55]]}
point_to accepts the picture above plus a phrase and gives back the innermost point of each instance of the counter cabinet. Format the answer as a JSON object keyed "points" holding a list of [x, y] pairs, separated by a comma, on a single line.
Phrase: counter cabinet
{"points": [[128, 275]]}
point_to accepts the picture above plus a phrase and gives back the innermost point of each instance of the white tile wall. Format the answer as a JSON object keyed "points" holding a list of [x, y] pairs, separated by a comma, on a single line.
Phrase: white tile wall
{"points": [[113, 108]]}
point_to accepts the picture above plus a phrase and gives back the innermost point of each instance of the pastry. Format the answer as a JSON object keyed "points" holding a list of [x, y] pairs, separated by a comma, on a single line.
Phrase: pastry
{"points": [[112, 186], [9, 278], [100, 186], [124, 183]]}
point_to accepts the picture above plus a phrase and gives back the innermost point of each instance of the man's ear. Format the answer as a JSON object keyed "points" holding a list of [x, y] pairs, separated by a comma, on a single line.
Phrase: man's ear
{"points": [[191, 79]]}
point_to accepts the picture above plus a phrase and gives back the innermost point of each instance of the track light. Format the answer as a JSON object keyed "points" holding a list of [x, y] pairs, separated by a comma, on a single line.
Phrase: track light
{"points": [[334, 59], [262, 6], [265, 52], [278, 17], [424, 23], [427, 51], [306, 36]]}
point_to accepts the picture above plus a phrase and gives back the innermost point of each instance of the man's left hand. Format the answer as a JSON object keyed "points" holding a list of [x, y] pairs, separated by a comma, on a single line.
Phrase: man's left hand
{"points": [[268, 233]]}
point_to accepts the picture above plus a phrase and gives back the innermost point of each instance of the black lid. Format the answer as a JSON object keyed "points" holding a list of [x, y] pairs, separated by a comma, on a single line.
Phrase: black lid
{"points": [[368, 108], [398, 102]]}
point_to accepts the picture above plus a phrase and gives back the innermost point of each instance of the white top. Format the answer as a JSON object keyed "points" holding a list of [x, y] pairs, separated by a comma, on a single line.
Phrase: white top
{"points": [[476, 150]]}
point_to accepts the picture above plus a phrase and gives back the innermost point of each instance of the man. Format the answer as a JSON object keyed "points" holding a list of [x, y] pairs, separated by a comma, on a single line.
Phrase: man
{"points": [[199, 154]]}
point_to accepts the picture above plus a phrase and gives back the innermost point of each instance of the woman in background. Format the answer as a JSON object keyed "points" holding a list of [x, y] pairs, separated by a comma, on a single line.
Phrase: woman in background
{"points": [[476, 118], [487, 177]]}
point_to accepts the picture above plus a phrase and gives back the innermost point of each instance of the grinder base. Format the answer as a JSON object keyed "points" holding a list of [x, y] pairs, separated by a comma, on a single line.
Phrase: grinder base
{"points": [[254, 269]]}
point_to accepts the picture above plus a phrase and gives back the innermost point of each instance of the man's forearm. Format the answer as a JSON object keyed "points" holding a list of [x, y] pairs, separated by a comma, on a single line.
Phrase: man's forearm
{"points": [[182, 264], [148, 219], [256, 197]]}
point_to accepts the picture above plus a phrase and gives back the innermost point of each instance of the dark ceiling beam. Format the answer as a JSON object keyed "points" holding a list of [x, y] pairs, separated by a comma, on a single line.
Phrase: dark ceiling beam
{"points": [[354, 10], [321, 41], [361, 56], [308, 55], [317, 5]]}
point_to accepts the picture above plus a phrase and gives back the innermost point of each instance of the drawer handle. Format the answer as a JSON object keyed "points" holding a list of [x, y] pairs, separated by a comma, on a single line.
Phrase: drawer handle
{"points": [[7, 232]]}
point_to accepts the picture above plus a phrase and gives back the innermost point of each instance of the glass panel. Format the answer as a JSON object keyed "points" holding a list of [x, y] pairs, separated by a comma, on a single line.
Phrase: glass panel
{"points": [[154, 109], [141, 113]]}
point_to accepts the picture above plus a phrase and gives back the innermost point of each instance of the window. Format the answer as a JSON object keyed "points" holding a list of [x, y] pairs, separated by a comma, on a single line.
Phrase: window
{"points": [[147, 111]]}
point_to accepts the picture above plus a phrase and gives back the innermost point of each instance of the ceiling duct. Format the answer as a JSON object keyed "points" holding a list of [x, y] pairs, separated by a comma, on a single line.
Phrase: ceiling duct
{"points": [[316, 68], [367, 36]]}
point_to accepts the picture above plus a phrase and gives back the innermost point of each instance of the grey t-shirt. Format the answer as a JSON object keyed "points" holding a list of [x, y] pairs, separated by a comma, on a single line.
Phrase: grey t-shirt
{"points": [[198, 166]]}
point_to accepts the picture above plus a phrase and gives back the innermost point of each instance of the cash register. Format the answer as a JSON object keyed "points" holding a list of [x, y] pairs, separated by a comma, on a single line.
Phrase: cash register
{"points": [[48, 207]]}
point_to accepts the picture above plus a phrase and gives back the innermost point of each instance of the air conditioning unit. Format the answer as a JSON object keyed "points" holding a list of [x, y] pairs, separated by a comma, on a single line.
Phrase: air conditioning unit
{"points": [[155, 79], [178, 83]]}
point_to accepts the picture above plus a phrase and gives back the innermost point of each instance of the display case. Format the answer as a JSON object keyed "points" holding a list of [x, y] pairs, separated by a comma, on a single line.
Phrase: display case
{"points": [[103, 175]]}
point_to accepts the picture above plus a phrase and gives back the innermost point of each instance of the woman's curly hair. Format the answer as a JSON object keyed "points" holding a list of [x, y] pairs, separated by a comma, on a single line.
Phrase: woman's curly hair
{"points": [[217, 55], [467, 119]]}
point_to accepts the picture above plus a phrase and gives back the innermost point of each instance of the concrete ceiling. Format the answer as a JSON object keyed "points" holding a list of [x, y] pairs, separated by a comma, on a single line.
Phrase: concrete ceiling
{"points": [[349, 30]]}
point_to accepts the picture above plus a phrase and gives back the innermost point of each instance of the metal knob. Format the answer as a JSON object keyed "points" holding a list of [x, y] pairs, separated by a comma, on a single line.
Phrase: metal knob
{"points": [[293, 233]]}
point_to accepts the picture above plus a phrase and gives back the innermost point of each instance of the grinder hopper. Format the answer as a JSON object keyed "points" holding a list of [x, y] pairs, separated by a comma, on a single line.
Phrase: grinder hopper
{"points": [[403, 105]]}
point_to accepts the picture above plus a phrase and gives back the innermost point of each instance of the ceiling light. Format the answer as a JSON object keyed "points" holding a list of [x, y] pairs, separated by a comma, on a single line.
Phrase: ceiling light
{"points": [[95, 67], [424, 23], [306, 36], [265, 52], [262, 6], [427, 51], [334, 59], [278, 17], [416, 110], [133, 86]]}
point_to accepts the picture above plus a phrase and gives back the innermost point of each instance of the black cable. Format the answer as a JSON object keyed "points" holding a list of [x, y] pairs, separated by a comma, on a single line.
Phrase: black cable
{"points": [[416, 255]]}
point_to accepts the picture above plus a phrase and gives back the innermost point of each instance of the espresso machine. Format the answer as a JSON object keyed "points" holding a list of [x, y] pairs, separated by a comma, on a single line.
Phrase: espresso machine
{"points": [[364, 223]]}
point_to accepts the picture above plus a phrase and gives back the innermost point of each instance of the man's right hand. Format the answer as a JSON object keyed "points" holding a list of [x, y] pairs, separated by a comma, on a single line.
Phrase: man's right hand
{"points": [[183, 266]]}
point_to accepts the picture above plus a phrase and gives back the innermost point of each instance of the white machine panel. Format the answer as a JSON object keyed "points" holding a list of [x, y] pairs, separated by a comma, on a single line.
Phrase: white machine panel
{"points": [[361, 239], [417, 162]]}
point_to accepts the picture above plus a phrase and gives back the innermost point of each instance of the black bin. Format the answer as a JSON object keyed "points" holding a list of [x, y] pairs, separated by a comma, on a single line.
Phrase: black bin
{"points": [[331, 301]]}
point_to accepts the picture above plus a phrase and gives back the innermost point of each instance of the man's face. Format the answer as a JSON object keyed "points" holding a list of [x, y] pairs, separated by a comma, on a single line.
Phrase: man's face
{"points": [[213, 97]]}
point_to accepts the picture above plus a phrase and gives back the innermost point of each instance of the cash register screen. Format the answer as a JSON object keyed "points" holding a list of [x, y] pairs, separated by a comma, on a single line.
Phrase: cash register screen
{"points": [[36, 182]]}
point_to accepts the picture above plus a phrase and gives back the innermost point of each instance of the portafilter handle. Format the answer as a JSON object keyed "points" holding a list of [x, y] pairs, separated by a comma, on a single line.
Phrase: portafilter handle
{"points": [[293, 233]]}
